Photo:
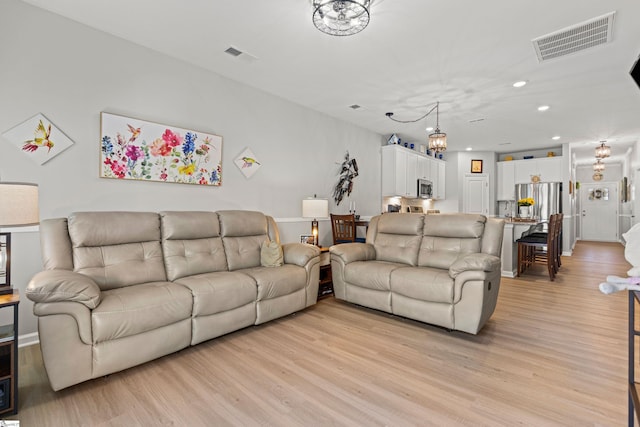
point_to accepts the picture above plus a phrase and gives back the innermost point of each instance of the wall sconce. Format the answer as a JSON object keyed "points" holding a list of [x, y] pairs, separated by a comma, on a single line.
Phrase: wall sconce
{"points": [[18, 207], [315, 208]]}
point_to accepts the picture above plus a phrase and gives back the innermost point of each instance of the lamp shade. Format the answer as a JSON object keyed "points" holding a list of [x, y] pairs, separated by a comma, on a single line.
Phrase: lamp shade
{"points": [[315, 208], [18, 204]]}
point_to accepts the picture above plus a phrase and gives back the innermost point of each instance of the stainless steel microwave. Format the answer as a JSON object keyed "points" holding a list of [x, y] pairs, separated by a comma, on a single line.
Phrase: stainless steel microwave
{"points": [[425, 189]]}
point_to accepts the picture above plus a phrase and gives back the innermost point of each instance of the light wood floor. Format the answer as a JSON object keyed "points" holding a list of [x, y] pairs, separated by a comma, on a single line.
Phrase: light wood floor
{"points": [[553, 354]]}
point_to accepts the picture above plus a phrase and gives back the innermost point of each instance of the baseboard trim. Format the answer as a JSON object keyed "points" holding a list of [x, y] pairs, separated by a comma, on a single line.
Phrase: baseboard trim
{"points": [[28, 339]]}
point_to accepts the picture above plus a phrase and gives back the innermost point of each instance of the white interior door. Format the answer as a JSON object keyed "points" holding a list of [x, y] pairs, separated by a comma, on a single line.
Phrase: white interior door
{"points": [[599, 203], [476, 194]]}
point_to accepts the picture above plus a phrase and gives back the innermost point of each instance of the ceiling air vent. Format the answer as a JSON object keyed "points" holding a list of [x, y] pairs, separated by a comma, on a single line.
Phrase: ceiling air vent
{"points": [[582, 36], [233, 51]]}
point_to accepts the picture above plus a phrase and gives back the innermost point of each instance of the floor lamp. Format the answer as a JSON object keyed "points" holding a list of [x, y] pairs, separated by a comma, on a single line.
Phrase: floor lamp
{"points": [[18, 208]]}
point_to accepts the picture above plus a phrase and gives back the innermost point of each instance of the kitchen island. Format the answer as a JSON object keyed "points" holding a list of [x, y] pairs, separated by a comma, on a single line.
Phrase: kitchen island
{"points": [[514, 228]]}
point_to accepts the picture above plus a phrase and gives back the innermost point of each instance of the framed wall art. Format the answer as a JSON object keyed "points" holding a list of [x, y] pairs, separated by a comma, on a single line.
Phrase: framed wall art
{"points": [[147, 151], [38, 138], [307, 238], [476, 166], [247, 163]]}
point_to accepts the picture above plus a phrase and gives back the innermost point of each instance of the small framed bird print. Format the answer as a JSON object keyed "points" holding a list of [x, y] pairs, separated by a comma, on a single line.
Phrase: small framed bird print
{"points": [[38, 138], [247, 163]]}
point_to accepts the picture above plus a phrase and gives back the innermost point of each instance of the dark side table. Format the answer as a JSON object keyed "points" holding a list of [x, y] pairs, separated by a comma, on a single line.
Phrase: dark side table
{"points": [[325, 287], [9, 357]]}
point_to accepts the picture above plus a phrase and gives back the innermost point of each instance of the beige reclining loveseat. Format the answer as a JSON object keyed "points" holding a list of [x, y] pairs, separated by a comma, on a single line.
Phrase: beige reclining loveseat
{"points": [[441, 269], [122, 288]]}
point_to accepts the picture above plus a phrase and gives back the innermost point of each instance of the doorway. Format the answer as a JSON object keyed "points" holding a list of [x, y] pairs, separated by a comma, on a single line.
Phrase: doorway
{"points": [[476, 194], [599, 203]]}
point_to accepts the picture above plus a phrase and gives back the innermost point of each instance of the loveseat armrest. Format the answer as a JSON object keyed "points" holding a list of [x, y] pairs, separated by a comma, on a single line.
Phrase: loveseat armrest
{"points": [[63, 285], [474, 262], [299, 253], [351, 252]]}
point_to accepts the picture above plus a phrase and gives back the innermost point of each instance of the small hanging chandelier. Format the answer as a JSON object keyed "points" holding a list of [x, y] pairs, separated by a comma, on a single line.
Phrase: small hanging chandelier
{"points": [[438, 140], [341, 17], [598, 166], [603, 151]]}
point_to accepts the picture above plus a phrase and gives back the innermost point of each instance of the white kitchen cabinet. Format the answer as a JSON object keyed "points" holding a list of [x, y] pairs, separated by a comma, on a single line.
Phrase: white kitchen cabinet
{"points": [[505, 179], [394, 178], [549, 169], [439, 185], [402, 167], [411, 175], [424, 167]]}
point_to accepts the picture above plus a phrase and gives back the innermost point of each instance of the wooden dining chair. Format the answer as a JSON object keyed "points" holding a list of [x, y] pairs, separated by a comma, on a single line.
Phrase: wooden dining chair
{"points": [[539, 249], [557, 239], [344, 229]]}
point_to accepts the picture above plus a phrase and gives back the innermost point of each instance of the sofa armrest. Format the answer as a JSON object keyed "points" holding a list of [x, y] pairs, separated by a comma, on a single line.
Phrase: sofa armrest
{"points": [[474, 262], [351, 252], [299, 253], [63, 285]]}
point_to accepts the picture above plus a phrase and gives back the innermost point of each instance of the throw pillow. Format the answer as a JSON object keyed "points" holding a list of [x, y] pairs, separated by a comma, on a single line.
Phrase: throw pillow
{"points": [[271, 254]]}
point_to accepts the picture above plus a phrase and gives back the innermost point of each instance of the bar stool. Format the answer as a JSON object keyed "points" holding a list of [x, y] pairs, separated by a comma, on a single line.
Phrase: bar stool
{"points": [[540, 249]]}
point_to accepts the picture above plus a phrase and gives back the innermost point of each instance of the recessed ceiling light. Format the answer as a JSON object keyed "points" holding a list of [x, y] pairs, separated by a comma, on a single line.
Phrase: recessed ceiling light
{"points": [[543, 108], [469, 148], [429, 129], [555, 138], [520, 83]]}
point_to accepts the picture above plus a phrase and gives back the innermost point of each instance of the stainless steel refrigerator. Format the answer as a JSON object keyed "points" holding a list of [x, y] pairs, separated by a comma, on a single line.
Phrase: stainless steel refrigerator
{"points": [[547, 197]]}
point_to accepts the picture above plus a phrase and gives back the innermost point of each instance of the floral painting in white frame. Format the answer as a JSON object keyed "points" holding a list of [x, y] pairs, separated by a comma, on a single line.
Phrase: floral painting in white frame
{"points": [[141, 150], [38, 138], [247, 163]]}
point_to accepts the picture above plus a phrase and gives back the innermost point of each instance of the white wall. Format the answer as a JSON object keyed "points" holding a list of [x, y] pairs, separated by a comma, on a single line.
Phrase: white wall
{"points": [[70, 73]]}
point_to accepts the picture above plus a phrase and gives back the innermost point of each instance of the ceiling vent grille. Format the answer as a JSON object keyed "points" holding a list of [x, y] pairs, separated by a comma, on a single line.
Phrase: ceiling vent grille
{"points": [[582, 36], [233, 51]]}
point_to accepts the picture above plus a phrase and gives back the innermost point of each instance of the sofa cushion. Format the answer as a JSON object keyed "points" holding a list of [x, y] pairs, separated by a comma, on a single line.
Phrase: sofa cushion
{"points": [[191, 243], [117, 249], [135, 309], [219, 291], [423, 283], [398, 238], [448, 237], [271, 254], [274, 282], [371, 274], [242, 234]]}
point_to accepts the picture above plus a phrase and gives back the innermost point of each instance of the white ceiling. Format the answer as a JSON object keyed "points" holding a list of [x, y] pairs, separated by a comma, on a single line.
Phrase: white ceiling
{"points": [[466, 54]]}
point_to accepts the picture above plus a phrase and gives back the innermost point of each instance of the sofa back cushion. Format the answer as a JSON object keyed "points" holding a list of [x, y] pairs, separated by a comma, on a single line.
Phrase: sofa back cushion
{"points": [[242, 235], [447, 236], [191, 243], [117, 249], [397, 237]]}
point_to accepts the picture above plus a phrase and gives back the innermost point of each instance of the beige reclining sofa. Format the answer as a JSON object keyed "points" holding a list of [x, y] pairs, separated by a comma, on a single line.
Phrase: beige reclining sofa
{"points": [[122, 288], [440, 269]]}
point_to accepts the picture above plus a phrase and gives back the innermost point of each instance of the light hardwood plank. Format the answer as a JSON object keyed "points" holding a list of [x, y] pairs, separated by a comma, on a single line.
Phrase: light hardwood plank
{"points": [[553, 354]]}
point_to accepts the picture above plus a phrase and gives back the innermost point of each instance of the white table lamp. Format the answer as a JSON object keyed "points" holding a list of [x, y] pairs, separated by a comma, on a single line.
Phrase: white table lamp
{"points": [[18, 208], [315, 208]]}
